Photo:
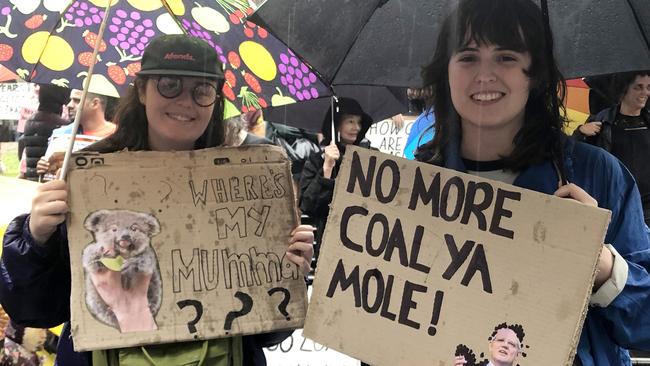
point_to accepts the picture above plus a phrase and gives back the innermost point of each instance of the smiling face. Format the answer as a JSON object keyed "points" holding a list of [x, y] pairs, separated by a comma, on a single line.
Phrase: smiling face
{"points": [[504, 347], [489, 88], [636, 96], [174, 123]]}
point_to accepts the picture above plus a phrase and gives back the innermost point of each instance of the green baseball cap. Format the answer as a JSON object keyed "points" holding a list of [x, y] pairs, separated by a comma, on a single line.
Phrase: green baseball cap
{"points": [[179, 54]]}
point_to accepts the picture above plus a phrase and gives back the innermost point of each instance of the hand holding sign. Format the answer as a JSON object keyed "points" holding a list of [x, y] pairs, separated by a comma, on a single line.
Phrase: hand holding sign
{"points": [[606, 258], [301, 248], [49, 207]]}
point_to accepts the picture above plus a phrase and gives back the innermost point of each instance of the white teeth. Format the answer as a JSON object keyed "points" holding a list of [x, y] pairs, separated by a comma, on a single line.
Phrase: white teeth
{"points": [[486, 97], [179, 117]]}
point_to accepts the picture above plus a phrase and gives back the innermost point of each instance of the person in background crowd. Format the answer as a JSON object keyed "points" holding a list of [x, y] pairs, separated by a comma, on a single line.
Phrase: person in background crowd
{"points": [[317, 181], [624, 130], [26, 111], [39, 127], [92, 127]]}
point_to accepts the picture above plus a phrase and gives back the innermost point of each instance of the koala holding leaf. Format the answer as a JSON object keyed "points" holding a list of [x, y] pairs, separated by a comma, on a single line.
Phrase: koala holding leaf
{"points": [[122, 244]]}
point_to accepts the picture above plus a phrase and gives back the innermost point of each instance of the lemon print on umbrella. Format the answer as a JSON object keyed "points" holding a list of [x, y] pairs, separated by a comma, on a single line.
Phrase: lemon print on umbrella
{"points": [[99, 84], [103, 3], [176, 6], [54, 52], [258, 59], [167, 24], [210, 19]]}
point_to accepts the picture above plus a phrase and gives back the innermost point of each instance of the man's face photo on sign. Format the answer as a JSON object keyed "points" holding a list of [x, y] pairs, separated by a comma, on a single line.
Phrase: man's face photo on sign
{"points": [[505, 347]]}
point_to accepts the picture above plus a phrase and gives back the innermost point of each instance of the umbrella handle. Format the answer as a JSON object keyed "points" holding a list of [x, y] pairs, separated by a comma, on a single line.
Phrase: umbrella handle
{"points": [[82, 101], [335, 135]]}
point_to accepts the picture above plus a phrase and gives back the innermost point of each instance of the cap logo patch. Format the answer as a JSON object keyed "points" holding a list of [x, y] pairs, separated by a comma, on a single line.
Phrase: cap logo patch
{"points": [[176, 56]]}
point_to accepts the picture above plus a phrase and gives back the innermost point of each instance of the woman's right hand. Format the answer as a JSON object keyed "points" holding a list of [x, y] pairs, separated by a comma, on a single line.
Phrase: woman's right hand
{"points": [[460, 361], [49, 207], [332, 154], [42, 166]]}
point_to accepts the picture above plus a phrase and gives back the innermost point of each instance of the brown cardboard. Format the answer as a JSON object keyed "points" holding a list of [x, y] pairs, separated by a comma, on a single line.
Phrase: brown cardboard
{"points": [[211, 205], [538, 251]]}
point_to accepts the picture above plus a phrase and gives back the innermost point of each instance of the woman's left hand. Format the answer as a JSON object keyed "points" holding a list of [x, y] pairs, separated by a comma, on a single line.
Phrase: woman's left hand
{"points": [[573, 191], [301, 248], [606, 259]]}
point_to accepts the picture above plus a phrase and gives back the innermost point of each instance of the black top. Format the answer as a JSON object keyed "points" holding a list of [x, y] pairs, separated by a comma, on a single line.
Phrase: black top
{"points": [[631, 145]]}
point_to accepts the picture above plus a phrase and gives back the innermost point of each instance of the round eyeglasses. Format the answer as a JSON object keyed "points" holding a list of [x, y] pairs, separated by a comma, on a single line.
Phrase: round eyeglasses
{"points": [[204, 94]]}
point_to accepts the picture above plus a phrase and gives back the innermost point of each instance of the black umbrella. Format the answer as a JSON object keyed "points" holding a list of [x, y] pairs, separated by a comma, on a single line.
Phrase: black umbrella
{"points": [[386, 42], [378, 101]]}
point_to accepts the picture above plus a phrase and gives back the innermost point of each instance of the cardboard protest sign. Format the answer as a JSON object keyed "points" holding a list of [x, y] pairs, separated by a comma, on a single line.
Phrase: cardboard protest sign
{"points": [[209, 227], [420, 264]]}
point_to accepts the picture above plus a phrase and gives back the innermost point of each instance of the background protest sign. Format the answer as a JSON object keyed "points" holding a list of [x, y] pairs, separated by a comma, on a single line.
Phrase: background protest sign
{"points": [[212, 226], [421, 263], [13, 96], [296, 350], [388, 137]]}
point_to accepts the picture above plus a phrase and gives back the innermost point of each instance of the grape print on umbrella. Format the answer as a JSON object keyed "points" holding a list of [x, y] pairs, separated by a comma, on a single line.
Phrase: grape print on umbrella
{"points": [[196, 30], [297, 77], [81, 14], [130, 34]]}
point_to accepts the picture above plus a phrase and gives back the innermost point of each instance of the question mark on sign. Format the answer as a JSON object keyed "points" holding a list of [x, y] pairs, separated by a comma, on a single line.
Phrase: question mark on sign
{"points": [[247, 305], [102, 178], [191, 325], [166, 196], [283, 305]]}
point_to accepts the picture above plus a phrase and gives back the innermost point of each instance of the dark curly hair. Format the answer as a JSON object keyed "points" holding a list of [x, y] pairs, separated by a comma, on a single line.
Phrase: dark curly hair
{"points": [[513, 24]]}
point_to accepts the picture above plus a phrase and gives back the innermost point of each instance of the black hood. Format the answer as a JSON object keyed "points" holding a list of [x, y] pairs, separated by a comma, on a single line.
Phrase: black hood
{"points": [[345, 106]]}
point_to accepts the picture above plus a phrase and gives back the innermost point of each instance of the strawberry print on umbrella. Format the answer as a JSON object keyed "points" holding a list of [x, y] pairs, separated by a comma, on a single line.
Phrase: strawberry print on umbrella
{"points": [[51, 41]]}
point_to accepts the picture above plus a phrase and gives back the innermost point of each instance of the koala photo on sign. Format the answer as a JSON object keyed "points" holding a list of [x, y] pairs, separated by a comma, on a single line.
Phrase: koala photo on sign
{"points": [[122, 247]]}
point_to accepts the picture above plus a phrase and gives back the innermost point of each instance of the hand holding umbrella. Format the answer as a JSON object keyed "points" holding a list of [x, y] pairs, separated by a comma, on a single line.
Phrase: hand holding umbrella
{"points": [[332, 155]]}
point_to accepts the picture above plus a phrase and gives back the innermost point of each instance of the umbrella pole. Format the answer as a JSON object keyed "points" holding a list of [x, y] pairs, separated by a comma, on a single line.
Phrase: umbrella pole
{"points": [[335, 136], [82, 102], [558, 160]]}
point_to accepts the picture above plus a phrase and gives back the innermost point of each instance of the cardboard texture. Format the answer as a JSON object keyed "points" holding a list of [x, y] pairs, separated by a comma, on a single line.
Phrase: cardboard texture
{"points": [[211, 226], [421, 263]]}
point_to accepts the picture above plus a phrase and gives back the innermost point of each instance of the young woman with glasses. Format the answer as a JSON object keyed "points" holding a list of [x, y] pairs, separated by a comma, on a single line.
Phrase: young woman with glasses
{"points": [[175, 104]]}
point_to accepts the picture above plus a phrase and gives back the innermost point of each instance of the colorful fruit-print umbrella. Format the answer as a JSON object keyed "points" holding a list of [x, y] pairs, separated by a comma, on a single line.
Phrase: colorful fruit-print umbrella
{"points": [[577, 104], [7, 75], [51, 41]]}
